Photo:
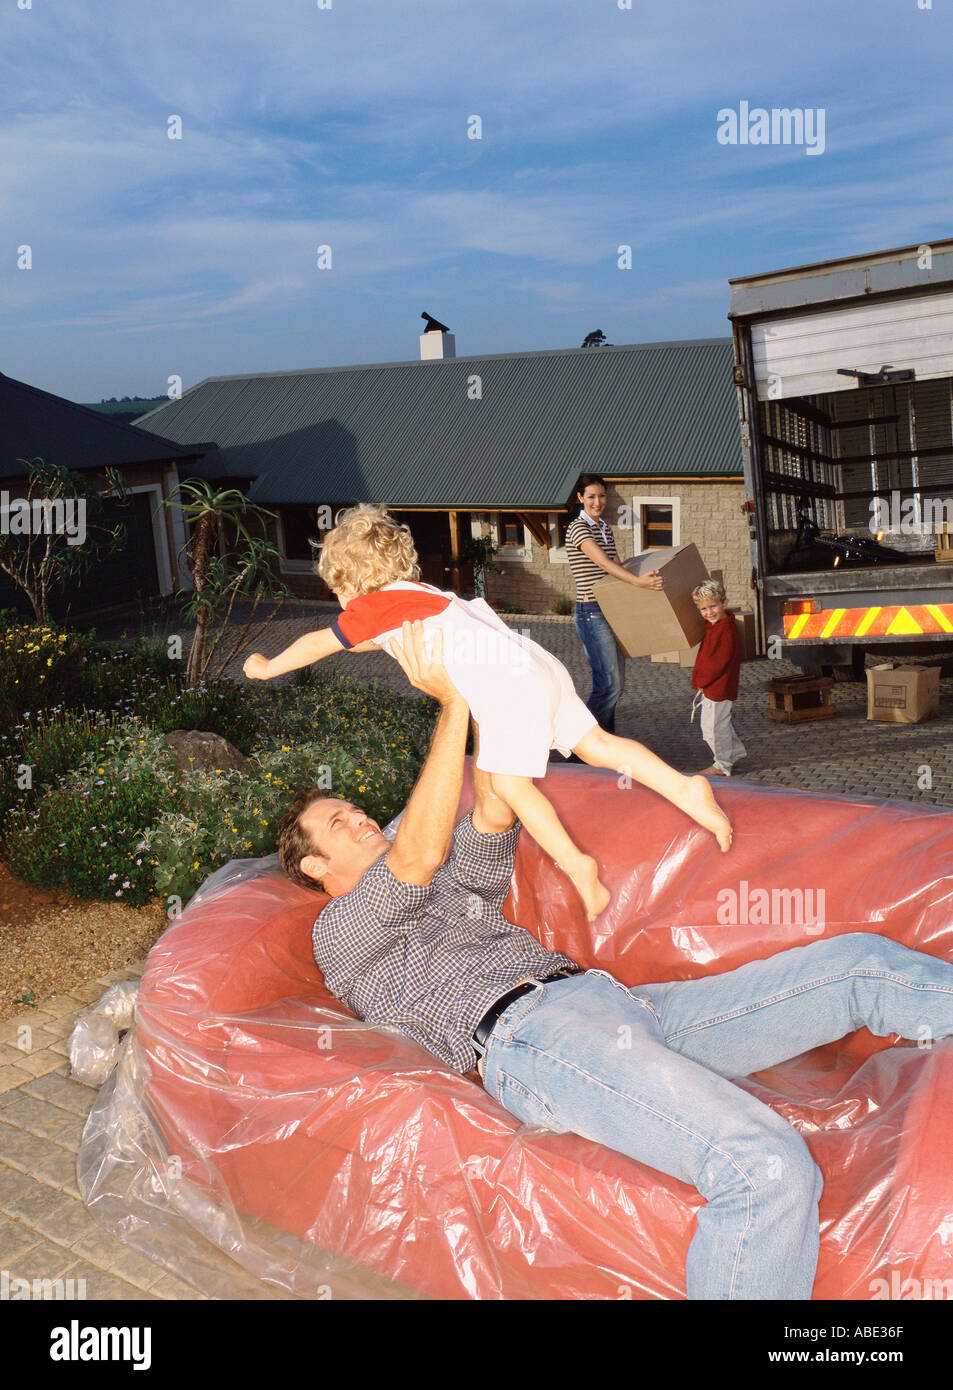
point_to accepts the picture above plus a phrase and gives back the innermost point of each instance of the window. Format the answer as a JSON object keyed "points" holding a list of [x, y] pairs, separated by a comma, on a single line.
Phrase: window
{"points": [[511, 531], [656, 526], [507, 533], [299, 525], [558, 523], [656, 523]]}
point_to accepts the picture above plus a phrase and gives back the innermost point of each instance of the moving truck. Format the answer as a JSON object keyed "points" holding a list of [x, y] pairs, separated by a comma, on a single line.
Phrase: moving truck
{"points": [[844, 375]]}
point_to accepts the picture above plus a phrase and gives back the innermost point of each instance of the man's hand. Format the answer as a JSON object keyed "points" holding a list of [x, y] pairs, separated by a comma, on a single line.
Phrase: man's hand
{"points": [[256, 667], [426, 673]]}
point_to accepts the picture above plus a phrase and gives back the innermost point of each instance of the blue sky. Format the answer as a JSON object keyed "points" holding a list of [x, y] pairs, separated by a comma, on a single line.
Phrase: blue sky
{"points": [[305, 126]]}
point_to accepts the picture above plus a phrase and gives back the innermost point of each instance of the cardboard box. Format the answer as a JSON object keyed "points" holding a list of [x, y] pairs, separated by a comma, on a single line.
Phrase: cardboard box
{"points": [[686, 656], [656, 620], [745, 621], [903, 693]]}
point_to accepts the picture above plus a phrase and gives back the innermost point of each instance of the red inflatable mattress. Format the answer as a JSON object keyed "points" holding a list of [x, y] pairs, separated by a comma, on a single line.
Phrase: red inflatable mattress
{"points": [[307, 1142]]}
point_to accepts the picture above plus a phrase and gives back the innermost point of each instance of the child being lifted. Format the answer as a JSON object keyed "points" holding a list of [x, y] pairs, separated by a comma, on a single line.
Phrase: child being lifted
{"points": [[522, 699]]}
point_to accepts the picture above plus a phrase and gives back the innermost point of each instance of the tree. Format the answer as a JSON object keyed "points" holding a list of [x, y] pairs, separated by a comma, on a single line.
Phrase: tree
{"points": [[217, 585], [596, 339], [51, 535]]}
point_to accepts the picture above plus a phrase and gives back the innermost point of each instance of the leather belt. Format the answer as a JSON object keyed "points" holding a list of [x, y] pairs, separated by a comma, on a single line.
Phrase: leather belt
{"points": [[485, 1027]]}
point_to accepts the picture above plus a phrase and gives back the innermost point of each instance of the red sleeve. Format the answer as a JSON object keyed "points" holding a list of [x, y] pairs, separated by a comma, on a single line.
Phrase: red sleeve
{"points": [[367, 616]]}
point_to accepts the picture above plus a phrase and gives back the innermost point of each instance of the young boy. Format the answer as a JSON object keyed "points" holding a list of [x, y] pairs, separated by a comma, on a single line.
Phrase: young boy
{"points": [[715, 677], [522, 699]]}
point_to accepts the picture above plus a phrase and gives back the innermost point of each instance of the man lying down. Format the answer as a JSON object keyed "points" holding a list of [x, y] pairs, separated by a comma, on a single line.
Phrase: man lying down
{"points": [[400, 945]]}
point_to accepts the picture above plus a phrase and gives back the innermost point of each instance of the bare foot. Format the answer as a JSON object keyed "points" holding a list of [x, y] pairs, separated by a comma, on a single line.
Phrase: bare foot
{"points": [[712, 772], [584, 873], [699, 802]]}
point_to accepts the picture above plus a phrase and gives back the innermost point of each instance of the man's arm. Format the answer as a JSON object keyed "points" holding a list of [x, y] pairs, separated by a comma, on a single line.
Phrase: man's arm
{"points": [[425, 833]]}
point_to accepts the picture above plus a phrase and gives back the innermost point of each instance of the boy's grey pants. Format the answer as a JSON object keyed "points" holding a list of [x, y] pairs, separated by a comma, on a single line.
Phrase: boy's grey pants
{"points": [[719, 732]]}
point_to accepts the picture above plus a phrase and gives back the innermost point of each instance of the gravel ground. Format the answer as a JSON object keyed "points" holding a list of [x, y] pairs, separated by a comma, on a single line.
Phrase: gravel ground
{"points": [[49, 945]]}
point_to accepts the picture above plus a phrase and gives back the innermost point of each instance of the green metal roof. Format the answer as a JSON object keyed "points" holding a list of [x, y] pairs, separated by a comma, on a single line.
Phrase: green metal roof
{"points": [[409, 434], [36, 424]]}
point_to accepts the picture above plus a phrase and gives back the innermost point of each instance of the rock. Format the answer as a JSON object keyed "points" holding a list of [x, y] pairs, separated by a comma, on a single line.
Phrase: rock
{"points": [[196, 751]]}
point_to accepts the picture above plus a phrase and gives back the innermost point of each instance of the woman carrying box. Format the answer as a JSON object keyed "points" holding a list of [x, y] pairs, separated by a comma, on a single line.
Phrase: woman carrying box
{"points": [[590, 549]]}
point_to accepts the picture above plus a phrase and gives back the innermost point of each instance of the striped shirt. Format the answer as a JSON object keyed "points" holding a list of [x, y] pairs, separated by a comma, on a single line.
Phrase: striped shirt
{"points": [[585, 571], [430, 959]]}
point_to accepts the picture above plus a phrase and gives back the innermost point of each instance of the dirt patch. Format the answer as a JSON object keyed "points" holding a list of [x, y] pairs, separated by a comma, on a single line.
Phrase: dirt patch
{"points": [[50, 944]]}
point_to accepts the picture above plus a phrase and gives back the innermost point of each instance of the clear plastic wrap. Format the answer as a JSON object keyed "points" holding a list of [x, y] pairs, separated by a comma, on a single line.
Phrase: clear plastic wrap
{"points": [[95, 1039], [256, 1131]]}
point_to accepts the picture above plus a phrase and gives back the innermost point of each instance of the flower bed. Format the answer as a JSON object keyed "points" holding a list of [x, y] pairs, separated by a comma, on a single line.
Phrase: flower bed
{"points": [[90, 799]]}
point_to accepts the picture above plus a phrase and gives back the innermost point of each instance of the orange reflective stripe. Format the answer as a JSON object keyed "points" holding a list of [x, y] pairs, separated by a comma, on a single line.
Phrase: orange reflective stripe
{"points": [[895, 620], [833, 619], [866, 621], [937, 613]]}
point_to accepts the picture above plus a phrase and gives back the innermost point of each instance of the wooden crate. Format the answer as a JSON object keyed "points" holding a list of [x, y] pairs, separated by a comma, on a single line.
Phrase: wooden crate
{"points": [[793, 699], [944, 545]]}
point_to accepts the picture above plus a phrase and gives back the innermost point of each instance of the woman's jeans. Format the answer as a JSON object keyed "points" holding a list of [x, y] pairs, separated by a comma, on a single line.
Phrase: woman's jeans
{"points": [[644, 1071], [605, 658]]}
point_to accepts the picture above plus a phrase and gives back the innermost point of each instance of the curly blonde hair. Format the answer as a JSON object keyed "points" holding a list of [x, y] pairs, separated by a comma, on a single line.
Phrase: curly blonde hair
{"points": [[710, 588], [366, 550]]}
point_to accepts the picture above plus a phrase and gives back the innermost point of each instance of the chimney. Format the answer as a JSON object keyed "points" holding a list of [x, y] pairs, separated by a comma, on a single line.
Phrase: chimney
{"points": [[437, 343]]}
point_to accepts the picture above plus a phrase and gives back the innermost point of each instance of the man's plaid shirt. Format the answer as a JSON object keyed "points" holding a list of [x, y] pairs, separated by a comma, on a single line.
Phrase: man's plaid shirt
{"points": [[430, 960]]}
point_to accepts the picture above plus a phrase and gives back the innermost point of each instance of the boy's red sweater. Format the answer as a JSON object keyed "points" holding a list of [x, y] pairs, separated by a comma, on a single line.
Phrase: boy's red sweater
{"points": [[719, 660]]}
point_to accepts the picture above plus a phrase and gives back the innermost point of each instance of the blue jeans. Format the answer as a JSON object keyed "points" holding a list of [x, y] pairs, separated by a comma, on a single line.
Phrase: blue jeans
{"points": [[605, 657], [644, 1071]]}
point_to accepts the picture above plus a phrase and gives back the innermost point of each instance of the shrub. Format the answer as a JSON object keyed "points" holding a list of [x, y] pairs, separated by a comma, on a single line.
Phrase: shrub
{"points": [[223, 707], [40, 666], [362, 741], [51, 744], [341, 709], [89, 840], [115, 819], [563, 606]]}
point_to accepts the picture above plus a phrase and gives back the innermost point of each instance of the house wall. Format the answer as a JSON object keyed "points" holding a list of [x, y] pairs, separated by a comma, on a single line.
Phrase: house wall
{"points": [[709, 514], [118, 578]]}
